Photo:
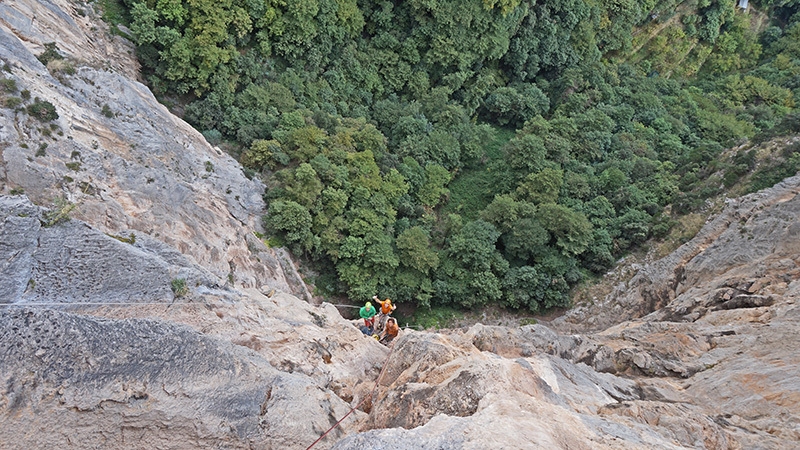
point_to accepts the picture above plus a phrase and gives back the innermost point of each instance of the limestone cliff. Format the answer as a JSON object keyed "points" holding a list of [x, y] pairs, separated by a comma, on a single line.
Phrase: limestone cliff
{"points": [[100, 350], [129, 164]]}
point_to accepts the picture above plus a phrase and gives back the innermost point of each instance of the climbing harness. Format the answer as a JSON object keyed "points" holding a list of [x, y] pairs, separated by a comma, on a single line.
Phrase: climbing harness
{"points": [[375, 388]]}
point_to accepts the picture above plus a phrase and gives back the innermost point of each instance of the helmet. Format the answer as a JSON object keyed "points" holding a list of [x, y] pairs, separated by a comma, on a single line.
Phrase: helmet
{"points": [[389, 300], [368, 305]]}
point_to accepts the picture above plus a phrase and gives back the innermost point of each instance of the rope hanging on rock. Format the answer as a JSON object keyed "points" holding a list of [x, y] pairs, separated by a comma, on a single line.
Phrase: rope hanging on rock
{"points": [[375, 388]]}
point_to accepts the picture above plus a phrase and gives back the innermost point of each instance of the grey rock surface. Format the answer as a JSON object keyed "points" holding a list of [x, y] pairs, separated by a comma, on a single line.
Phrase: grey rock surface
{"points": [[71, 381], [71, 262], [135, 167], [19, 226]]}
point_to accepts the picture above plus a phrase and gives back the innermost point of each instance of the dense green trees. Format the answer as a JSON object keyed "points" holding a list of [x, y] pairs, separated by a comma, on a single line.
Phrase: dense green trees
{"points": [[362, 116]]}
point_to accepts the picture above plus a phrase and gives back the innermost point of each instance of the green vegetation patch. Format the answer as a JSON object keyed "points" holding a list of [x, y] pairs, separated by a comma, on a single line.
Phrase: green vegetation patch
{"points": [[42, 110], [59, 214], [179, 287], [432, 318], [127, 240]]}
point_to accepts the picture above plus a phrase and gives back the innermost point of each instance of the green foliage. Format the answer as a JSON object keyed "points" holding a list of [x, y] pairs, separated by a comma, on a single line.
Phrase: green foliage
{"points": [[8, 85], [50, 53], [524, 286], [292, 219], [541, 187], [472, 275], [414, 249], [114, 13], [106, 111], [467, 152], [436, 317], [770, 175], [42, 110], [571, 229], [59, 214], [264, 154], [126, 240], [12, 102], [179, 287], [433, 189], [509, 106]]}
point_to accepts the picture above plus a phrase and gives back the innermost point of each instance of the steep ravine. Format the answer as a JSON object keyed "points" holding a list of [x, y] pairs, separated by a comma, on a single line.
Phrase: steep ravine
{"points": [[697, 350]]}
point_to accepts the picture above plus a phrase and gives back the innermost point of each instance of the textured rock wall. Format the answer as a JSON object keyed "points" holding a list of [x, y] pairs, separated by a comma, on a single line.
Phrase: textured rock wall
{"points": [[754, 237], [72, 381], [142, 169], [73, 262]]}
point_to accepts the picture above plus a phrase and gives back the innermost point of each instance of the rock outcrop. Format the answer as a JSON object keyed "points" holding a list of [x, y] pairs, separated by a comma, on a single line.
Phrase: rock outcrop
{"points": [[101, 349], [751, 247]]}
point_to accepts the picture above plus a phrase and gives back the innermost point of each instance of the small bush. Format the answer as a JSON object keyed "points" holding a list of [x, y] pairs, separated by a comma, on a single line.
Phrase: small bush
{"points": [[25, 94], [108, 112], [41, 150], [61, 67], [179, 287], [12, 102], [127, 240], [87, 188], [75, 165], [209, 166], [50, 53], [213, 136], [8, 85], [42, 110], [770, 175], [58, 215]]}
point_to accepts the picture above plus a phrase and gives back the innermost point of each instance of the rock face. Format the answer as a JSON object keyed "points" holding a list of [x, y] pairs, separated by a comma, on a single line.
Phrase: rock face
{"points": [[100, 350], [73, 262], [751, 248], [123, 158], [171, 387]]}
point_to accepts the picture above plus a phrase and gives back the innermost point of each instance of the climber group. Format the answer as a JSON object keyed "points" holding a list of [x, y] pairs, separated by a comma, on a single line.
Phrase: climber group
{"points": [[386, 328]]}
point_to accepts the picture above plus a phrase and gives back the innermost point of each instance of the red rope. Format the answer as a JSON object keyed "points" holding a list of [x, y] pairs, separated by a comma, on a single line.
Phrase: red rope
{"points": [[385, 363]]}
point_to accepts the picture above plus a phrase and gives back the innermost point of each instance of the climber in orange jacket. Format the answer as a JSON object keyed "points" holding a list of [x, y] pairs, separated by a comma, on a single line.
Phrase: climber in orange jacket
{"points": [[386, 309]]}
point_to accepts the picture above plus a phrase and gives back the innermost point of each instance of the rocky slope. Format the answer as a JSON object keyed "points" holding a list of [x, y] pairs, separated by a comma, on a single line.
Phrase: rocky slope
{"points": [[129, 165], [697, 350]]}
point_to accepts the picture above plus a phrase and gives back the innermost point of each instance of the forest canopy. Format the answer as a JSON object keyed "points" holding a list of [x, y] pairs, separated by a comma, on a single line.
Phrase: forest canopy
{"points": [[466, 152]]}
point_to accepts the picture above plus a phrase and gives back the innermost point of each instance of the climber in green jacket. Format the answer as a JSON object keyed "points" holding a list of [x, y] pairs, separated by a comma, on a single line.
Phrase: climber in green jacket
{"points": [[367, 312]]}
